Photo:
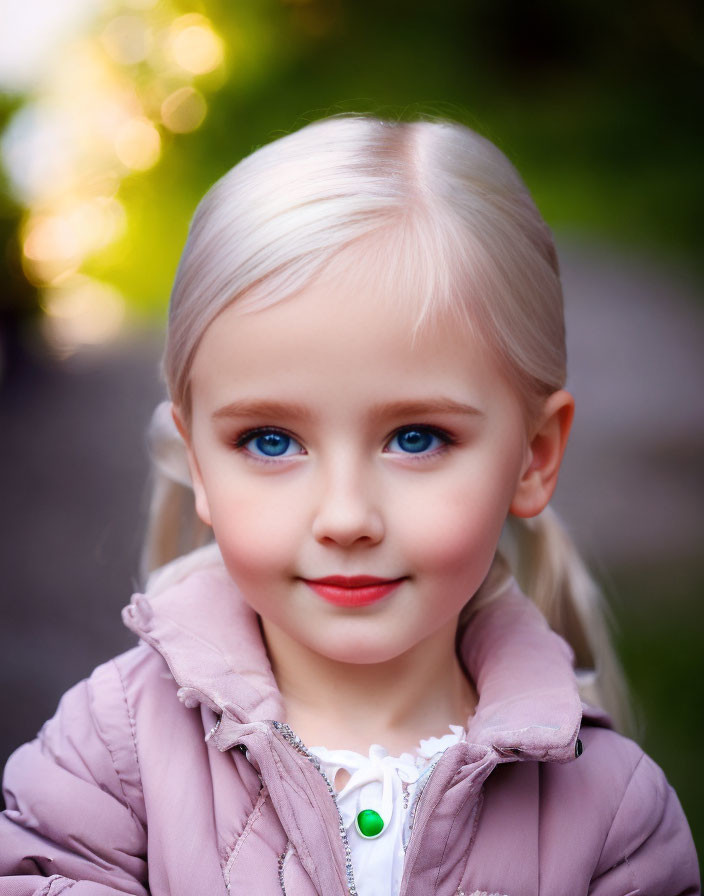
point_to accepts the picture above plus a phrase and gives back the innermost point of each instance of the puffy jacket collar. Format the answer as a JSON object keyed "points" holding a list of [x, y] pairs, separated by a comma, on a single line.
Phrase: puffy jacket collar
{"points": [[193, 615]]}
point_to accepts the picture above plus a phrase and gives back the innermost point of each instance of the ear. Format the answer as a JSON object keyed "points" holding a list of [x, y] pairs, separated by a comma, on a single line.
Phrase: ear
{"points": [[201, 498], [545, 450]]}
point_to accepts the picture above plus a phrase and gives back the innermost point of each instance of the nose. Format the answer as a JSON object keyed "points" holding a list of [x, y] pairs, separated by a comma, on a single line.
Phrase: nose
{"points": [[348, 510]]}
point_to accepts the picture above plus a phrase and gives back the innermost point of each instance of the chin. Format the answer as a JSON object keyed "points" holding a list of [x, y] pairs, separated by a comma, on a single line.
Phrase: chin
{"points": [[360, 652]]}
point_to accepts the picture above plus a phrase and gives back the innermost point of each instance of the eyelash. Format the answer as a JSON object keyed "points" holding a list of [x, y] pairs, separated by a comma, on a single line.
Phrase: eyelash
{"points": [[446, 439], [241, 441]]}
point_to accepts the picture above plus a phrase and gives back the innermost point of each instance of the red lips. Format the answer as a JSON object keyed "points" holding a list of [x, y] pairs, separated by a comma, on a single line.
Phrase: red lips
{"points": [[353, 591]]}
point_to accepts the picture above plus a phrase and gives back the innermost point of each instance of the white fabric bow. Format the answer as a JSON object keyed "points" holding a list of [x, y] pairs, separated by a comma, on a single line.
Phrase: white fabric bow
{"points": [[390, 772]]}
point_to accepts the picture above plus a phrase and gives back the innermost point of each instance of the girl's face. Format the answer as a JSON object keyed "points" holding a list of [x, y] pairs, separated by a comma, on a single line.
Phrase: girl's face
{"points": [[326, 441]]}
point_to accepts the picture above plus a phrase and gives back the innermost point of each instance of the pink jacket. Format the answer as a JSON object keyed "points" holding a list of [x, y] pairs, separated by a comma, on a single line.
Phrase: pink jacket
{"points": [[131, 790]]}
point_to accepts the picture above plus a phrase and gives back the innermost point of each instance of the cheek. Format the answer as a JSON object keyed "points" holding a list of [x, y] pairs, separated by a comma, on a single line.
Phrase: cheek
{"points": [[454, 533], [257, 537], [455, 539]]}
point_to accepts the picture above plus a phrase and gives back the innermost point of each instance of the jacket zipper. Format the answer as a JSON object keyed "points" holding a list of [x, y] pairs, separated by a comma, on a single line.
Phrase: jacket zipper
{"points": [[291, 738], [283, 858], [411, 816], [298, 745]]}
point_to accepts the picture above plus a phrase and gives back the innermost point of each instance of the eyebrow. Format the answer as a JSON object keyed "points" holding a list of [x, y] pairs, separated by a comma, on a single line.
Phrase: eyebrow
{"points": [[257, 408], [423, 407], [273, 409]]}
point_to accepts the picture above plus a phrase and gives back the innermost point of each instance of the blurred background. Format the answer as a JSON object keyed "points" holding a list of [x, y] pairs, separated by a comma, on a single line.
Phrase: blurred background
{"points": [[116, 115]]}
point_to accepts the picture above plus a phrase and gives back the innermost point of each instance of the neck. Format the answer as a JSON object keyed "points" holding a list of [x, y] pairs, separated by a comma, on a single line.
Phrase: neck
{"points": [[352, 706]]}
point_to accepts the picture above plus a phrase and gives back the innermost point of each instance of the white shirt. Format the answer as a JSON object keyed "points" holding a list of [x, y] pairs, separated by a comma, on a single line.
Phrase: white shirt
{"points": [[387, 785]]}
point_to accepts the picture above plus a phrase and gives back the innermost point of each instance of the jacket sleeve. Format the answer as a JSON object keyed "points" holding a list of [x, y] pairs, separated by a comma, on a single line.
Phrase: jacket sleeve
{"points": [[75, 815], [649, 849]]}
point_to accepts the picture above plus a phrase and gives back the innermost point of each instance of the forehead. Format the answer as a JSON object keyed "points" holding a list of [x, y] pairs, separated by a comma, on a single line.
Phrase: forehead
{"points": [[323, 318], [345, 341], [379, 285]]}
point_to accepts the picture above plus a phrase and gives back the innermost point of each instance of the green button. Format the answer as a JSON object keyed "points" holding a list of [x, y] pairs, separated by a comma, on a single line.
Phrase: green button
{"points": [[369, 823]]}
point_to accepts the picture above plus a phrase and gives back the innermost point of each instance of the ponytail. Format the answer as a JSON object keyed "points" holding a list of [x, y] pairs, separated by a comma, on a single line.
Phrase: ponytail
{"points": [[173, 527], [541, 556]]}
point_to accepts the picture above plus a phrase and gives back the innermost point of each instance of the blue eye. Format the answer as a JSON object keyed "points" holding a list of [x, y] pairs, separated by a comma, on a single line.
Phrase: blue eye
{"points": [[270, 443], [416, 440]]}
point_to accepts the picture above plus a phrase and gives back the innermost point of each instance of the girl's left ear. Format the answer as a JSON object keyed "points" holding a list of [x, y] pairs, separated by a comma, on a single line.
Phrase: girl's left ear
{"points": [[545, 450]]}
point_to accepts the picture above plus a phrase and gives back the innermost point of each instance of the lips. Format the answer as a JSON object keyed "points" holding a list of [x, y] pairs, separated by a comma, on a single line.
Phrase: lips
{"points": [[353, 591]]}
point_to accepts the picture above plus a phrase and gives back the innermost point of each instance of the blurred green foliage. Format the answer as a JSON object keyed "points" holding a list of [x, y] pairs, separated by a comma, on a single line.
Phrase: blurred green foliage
{"points": [[660, 619]]}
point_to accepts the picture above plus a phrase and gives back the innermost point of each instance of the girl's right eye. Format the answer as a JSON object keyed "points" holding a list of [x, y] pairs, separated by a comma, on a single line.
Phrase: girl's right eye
{"points": [[269, 444]]}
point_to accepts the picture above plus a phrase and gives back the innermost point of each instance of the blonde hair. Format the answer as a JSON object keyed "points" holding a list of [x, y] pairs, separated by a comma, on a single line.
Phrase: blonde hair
{"points": [[459, 232]]}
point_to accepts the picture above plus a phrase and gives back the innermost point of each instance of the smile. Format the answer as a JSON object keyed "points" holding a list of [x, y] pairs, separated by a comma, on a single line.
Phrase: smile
{"points": [[352, 591]]}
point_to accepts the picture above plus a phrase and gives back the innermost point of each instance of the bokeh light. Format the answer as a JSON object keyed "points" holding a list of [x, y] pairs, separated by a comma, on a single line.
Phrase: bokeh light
{"points": [[81, 312], [103, 103], [127, 39], [194, 46], [138, 144], [183, 110]]}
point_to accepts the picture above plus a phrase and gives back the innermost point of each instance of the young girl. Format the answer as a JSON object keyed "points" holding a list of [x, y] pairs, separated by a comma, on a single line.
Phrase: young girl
{"points": [[346, 692]]}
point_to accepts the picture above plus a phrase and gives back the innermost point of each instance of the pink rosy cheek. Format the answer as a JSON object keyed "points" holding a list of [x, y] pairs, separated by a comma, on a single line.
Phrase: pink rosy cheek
{"points": [[455, 542], [251, 544]]}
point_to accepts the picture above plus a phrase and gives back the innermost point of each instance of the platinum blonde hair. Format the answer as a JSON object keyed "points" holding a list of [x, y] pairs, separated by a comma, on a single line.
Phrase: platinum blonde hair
{"points": [[457, 228], [442, 219]]}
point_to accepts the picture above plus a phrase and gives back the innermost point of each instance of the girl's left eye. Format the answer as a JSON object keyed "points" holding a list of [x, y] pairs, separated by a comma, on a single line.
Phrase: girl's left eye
{"points": [[270, 444], [417, 440]]}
